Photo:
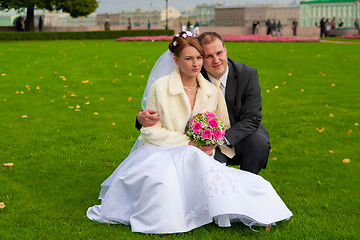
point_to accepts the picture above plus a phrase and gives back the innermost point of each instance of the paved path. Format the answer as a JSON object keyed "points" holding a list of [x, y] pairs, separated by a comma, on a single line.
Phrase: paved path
{"points": [[338, 42]]}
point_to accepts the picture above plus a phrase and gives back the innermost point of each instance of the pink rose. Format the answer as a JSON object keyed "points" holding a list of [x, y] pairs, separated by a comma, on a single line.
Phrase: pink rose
{"points": [[207, 134], [197, 127], [191, 122], [213, 123], [210, 115], [217, 135]]}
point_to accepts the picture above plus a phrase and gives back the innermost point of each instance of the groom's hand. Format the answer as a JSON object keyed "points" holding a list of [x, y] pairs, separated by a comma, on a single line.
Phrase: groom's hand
{"points": [[209, 150], [148, 118]]}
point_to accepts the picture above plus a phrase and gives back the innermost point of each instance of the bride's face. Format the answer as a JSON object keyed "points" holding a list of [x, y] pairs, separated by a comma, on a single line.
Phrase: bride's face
{"points": [[189, 61]]}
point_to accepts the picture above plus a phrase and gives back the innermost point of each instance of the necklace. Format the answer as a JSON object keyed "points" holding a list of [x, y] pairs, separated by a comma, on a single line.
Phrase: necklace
{"points": [[191, 88]]}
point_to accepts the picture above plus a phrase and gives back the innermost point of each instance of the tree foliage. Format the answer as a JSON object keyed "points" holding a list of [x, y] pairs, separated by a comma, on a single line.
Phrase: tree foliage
{"points": [[75, 8]]}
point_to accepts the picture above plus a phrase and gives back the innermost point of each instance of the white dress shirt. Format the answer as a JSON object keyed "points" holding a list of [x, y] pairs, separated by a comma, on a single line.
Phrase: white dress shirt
{"points": [[223, 80]]}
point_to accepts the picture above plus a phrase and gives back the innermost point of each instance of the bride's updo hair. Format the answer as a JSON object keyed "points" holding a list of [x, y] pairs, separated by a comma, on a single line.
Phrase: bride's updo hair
{"points": [[183, 39]]}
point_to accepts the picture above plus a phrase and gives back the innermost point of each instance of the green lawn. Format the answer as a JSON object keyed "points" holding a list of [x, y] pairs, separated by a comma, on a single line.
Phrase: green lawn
{"points": [[67, 111]]}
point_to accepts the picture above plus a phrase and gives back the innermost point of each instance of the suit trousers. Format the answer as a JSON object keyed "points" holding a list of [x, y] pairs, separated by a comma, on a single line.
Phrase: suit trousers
{"points": [[251, 153]]}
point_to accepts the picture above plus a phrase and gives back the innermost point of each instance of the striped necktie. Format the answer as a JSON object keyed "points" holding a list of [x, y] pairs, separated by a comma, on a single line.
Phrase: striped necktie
{"points": [[222, 112]]}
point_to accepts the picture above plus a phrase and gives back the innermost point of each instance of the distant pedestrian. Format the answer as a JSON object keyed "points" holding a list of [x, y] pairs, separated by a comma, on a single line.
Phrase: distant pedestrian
{"points": [[341, 23], [294, 26], [273, 27], [191, 29], [268, 27], [327, 27], [322, 27], [107, 25], [356, 23], [333, 23], [255, 27], [197, 28], [129, 24], [149, 24], [20, 24], [40, 24], [188, 25], [278, 28], [182, 27]]}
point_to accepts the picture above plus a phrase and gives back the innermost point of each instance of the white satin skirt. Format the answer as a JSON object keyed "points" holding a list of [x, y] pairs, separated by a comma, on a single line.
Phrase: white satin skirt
{"points": [[172, 190]]}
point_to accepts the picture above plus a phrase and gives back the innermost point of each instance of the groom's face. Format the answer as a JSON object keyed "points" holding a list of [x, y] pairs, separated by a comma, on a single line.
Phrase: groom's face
{"points": [[215, 60]]}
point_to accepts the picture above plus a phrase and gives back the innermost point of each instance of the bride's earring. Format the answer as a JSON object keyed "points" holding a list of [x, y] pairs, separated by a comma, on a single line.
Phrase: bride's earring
{"points": [[178, 69]]}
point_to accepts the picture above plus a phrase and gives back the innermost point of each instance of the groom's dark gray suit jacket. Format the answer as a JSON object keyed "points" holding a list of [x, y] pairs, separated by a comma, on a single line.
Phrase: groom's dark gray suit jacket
{"points": [[243, 100]]}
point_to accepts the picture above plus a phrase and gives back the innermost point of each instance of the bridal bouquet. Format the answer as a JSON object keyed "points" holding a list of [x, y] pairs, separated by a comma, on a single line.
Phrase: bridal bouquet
{"points": [[206, 129]]}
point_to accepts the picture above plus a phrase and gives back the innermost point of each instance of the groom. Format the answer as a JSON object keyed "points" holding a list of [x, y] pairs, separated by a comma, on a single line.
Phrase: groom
{"points": [[242, 93]]}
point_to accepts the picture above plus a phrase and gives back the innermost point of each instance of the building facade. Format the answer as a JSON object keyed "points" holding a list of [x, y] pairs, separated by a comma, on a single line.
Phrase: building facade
{"points": [[205, 14], [245, 16], [312, 11]]}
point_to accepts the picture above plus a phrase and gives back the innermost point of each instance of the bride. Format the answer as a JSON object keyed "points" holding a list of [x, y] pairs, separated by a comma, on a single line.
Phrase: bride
{"points": [[166, 184]]}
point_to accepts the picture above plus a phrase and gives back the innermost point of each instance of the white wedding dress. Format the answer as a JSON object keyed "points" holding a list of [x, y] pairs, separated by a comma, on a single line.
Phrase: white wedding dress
{"points": [[171, 190]]}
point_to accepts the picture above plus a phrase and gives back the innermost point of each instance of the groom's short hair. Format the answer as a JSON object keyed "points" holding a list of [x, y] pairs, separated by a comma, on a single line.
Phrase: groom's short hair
{"points": [[209, 37]]}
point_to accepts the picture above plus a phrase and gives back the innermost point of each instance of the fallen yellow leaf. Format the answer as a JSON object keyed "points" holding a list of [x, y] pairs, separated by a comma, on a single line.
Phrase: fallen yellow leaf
{"points": [[356, 124], [350, 131], [86, 81], [346, 160], [331, 151], [320, 129], [8, 164], [333, 85], [331, 115], [2, 205], [96, 113], [130, 74], [113, 124], [129, 99], [268, 227], [274, 158], [24, 116], [301, 90]]}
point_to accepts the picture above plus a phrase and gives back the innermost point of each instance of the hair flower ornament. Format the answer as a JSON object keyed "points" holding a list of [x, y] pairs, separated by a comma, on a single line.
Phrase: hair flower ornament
{"points": [[174, 43]]}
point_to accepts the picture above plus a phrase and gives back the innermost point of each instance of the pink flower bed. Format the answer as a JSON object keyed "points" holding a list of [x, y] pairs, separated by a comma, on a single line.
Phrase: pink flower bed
{"points": [[229, 38], [266, 38], [352, 36]]}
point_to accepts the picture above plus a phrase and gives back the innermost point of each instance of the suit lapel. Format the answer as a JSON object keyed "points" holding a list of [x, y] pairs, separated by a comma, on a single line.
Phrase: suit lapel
{"points": [[230, 92]]}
